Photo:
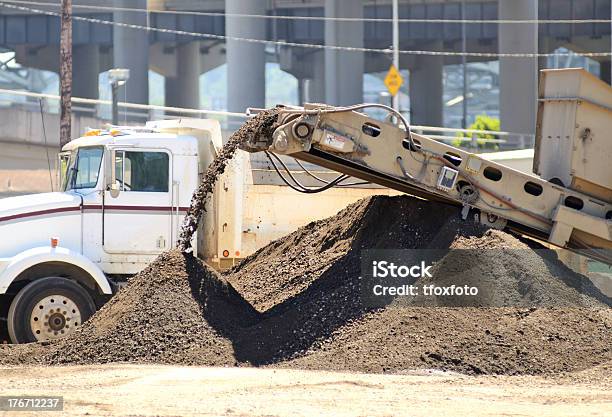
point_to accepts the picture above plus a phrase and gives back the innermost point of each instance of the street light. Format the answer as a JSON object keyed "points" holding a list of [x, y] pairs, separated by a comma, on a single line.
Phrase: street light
{"points": [[117, 77]]}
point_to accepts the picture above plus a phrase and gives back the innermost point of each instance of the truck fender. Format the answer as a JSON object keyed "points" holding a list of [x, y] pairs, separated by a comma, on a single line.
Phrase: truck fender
{"points": [[35, 256]]}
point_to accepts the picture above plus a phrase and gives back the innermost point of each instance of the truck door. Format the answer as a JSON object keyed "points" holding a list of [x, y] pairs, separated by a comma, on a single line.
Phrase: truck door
{"points": [[139, 219]]}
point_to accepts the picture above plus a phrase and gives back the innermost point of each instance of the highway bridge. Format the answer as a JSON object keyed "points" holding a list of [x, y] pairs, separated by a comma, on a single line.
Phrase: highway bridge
{"points": [[324, 75]]}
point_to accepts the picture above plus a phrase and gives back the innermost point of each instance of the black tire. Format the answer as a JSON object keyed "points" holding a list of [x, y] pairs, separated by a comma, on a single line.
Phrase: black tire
{"points": [[23, 305]]}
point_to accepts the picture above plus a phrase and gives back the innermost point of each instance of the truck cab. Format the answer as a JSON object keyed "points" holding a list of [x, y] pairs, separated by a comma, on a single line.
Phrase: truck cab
{"points": [[124, 193]]}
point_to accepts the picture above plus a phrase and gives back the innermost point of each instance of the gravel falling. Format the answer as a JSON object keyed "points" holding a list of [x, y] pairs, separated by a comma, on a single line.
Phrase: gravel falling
{"points": [[262, 124]]}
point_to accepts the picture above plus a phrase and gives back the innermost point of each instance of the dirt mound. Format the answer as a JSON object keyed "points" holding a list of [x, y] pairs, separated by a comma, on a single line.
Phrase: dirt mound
{"points": [[327, 252], [308, 283], [175, 311], [469, 340], [298, 303], [508, 272], [30, 354]]}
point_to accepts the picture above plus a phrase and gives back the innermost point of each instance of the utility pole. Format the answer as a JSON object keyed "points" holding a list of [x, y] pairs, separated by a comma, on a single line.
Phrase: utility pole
{"points": [[66, 72], [464, 65], [396, 47]]}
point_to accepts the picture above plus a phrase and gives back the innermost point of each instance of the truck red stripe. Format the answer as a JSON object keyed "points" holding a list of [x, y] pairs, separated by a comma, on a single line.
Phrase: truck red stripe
{"points": [[39, 213], [90, 207]]}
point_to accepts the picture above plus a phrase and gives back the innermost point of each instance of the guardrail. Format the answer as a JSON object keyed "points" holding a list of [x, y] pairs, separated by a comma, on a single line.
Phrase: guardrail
{"points": [[139, 113], [472, 139], [134, 112]]}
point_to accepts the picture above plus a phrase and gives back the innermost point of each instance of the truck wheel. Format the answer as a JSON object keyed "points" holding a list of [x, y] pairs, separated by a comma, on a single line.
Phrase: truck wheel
{"points": [[48, 308]]}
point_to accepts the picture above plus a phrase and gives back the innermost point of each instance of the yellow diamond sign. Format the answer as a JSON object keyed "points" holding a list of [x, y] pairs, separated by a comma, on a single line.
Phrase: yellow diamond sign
{"points": [[393, 80]]}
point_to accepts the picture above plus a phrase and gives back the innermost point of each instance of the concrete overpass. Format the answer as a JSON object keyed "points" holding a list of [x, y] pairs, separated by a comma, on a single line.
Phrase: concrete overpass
{"points": [[328, 76]]}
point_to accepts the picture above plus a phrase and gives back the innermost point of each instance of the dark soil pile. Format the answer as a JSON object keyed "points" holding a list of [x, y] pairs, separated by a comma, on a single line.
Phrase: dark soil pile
{"points": [[327, 253], [297, 303], [30, 354], [509, 273], [308, 284], [175, 311], [469, 340]]}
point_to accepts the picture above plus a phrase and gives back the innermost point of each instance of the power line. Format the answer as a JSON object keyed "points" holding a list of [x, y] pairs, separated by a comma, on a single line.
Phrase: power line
{"points": [[306, 45], [321, 18]]}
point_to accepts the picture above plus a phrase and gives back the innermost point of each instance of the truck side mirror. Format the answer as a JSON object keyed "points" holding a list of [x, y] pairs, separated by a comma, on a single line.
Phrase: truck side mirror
{"points": [[114, 190], [62, 172], [111, 174]]}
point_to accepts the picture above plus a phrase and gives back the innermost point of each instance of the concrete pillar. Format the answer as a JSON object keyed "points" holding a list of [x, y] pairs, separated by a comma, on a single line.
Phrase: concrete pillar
{"points": [[426, 91], [343, 69], [316, 85], [302, 86], [518, 76], [86, 64], [85, 83], [131, 50], [604, 72], [246, 62], [184, 89]]}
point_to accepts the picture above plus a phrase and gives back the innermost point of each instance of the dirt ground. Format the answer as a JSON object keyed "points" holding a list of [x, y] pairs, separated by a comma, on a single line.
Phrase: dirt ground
{"points": [[157, 390]]}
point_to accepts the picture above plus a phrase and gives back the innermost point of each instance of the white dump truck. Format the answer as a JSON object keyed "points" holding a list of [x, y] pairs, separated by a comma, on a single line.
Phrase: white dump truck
{"points": [[124, 193], [61, 250]]}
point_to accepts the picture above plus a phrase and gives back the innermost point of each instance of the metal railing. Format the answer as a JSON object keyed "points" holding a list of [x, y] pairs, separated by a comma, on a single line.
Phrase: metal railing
{"points": [[230, 121], [134, 112], [474, 140]]}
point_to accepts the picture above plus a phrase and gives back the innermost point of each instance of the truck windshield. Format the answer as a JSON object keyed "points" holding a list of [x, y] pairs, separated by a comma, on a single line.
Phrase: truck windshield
{"points": [[83, 168]]}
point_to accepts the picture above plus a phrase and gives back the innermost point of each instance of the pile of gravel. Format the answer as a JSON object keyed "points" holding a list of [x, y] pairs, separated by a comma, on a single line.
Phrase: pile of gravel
{"points": [[297, 303], [177, 310], [308, 287]]}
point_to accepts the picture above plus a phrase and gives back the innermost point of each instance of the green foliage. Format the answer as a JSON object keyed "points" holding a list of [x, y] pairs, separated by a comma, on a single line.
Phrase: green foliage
{"points": [[482, 122]]}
